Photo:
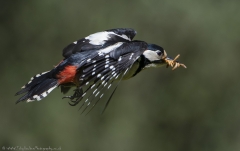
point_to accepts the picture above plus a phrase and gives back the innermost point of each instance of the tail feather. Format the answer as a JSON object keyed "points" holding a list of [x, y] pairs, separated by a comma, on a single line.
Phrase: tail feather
{"points": [[33, 82], [38, 87]]}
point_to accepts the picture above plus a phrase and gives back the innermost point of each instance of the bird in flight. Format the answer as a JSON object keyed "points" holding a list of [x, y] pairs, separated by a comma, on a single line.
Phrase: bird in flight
{"points": [[93, 63]]}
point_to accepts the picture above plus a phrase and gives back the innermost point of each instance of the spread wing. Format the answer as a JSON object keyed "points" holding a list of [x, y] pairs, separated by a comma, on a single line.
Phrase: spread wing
{"points": [[99, 40], [103, 67]]}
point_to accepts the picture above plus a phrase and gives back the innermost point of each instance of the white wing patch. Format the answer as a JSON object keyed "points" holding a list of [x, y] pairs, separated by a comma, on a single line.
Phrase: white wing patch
{"points": [[100, 38], [109, 48]]}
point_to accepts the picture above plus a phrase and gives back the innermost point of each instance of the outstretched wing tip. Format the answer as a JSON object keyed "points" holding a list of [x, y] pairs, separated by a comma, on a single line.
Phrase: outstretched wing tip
{"points": [[129, 32]]}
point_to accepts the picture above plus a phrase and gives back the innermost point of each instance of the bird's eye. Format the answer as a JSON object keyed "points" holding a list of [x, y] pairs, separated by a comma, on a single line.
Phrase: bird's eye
{"points": [[159, 52]]}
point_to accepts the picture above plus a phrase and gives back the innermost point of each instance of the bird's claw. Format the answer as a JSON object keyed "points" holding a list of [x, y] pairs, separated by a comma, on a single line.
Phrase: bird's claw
{"points": [[174, 63], [73, 99], [77, 94], [68, 97]]}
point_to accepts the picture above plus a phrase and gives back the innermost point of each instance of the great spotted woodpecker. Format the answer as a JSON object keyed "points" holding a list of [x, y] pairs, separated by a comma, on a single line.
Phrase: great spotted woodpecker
{"points": [[93, 63]]}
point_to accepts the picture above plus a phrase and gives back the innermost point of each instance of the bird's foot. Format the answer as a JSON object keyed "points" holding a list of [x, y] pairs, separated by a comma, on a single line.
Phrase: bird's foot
{"points": [[69, 97], [174, 63], [77, 94]]}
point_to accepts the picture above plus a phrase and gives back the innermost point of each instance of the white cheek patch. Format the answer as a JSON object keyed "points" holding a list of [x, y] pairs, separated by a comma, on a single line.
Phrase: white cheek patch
{"points": [[151, 55]]}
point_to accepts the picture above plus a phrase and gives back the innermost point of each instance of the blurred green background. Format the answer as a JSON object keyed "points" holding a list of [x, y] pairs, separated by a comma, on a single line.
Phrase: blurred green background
{"points": [[193, 109]]}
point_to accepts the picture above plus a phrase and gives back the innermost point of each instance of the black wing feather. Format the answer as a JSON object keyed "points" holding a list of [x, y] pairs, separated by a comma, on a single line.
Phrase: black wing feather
{"points": [[130, 33], [114, 36]]}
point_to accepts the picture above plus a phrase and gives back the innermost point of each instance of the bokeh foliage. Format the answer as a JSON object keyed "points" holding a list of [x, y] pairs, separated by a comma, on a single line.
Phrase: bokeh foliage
{"points": [[194, 109]]}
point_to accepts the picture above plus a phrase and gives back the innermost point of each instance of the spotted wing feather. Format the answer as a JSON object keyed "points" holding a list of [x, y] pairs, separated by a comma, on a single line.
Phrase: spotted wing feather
{"points": [[102, 69]]}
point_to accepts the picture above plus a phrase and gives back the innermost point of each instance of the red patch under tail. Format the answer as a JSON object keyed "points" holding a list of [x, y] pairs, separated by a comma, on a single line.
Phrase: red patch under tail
{"points": [[67, 75]]}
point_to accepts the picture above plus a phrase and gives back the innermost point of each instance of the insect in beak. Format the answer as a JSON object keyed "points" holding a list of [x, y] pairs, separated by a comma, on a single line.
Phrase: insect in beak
{"points": [[172, 62]]}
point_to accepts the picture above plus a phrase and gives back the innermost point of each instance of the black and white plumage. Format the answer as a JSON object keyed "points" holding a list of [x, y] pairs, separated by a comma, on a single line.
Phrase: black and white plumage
{"points": [[93, 63]]}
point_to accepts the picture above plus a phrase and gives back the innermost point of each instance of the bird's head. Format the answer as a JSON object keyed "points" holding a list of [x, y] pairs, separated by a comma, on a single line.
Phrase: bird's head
{"points": [[157, 57]]}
